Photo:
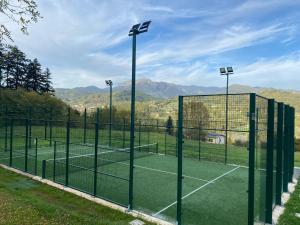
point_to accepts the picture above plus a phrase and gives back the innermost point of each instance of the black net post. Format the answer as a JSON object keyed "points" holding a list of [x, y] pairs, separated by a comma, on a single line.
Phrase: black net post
{"points": [[251, 178], [84, 126], [179, 162], [286, 149], [269, 172], [68, 147], [279, 158], [96, 152]]}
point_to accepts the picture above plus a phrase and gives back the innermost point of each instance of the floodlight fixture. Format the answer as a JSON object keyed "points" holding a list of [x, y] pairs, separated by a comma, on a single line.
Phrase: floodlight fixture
{"points": [[109, 82], [138, 28], [226, 71], [222, 71], [230, 70]]}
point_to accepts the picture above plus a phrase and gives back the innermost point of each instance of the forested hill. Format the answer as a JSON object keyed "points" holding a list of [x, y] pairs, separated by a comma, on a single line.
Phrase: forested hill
{"points": [[159, 99]]}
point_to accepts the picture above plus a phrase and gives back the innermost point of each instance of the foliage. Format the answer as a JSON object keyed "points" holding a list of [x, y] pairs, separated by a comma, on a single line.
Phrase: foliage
{"points": [[297, 145], [22, 12], [195, 115], [16, 71], [20, 100], [291, 208]]}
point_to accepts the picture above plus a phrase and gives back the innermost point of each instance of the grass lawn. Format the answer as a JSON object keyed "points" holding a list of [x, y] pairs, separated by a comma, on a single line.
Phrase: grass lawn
{"points": [[297, 159], [292, 207], [24, 201]]}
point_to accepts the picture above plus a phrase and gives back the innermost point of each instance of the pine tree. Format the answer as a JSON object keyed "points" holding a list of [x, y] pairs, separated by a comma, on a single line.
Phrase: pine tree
{"points": [[46, 84], [34, 76], [17, 70]]}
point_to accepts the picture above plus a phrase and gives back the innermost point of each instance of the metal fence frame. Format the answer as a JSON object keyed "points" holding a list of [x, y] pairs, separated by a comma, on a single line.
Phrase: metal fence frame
{"points": [[283, 142]]}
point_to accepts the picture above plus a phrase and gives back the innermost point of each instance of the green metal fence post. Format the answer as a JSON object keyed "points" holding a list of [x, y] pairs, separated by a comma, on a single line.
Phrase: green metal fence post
{"points": [[84, 126], [29, 125], [124, 133], [6, 128], [96, 152], [269, 172], [148, 136], [54, 161], [36, 156], [179, 162], [26, 144], [251, 178], [11, 142], [46, 127], [44, 169], [292, 143], [50, 125], [279, 156], [68, 147], [286, 149], [165, 140], [199, 140], [140, 135]]}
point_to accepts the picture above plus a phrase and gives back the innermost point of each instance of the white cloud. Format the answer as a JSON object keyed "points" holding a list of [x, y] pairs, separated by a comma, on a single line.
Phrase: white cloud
{"points": [[86, 41]]}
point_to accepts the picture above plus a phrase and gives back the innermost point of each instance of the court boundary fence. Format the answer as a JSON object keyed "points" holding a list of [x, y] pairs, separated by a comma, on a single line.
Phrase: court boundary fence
{"points": [[276, 125]]}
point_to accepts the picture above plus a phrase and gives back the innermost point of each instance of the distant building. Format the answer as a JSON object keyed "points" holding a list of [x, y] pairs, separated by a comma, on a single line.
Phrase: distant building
{"points": [[215, 138]]}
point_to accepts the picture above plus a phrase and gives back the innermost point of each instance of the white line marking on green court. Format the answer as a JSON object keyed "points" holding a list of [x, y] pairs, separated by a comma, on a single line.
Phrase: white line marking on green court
{"points": [[138, 166], [202, 186], [162, 171]]}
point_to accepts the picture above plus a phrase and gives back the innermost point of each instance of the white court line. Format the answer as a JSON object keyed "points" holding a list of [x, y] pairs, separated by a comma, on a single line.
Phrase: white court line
{"points": [[142, 167], [187, 195], [50, 152], [162, 171]]}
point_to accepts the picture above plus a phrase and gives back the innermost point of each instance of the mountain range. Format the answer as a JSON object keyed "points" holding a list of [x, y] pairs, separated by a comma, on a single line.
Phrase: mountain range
{"points": [[160, 90], [160, 98]]}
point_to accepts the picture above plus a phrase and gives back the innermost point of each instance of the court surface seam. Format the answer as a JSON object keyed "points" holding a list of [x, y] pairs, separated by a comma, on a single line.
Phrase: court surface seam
{"points": [[199, 188]]}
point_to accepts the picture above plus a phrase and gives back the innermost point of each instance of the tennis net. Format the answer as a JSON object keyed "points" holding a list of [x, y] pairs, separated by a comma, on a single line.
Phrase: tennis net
{"points": [[106, 155]]}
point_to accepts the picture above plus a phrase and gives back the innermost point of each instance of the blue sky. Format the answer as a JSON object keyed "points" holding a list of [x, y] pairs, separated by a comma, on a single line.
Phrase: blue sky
{"points": [[84, 42]]}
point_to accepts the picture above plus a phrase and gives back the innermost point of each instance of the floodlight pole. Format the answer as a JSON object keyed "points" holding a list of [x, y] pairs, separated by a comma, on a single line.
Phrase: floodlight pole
{"points": [[132, 118], [110, 112], [226, 124], [135, 30], [226, 72]]}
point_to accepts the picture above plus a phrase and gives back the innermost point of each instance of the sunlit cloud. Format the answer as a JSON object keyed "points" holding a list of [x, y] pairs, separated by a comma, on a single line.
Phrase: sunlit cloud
{"points": [[85, 42]]}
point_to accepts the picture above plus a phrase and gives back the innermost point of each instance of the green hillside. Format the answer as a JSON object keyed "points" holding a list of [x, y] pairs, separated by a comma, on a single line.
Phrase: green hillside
{"points": [[289, 97]]}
